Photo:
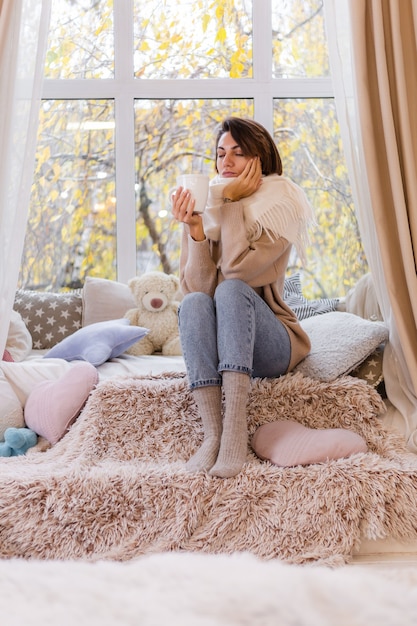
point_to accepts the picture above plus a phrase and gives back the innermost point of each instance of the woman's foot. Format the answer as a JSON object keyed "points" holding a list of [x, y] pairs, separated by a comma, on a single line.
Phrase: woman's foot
{"points": [[209, 403], [205, 457], [234, 441], [232, 454]]}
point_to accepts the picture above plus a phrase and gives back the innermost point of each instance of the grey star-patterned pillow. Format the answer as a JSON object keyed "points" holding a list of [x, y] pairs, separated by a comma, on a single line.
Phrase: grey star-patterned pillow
{"points": [[49, 317], [371, 369]]}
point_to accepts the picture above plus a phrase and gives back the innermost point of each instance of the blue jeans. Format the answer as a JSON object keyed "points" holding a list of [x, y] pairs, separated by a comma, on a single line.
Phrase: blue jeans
{"points": [[236, 330]]}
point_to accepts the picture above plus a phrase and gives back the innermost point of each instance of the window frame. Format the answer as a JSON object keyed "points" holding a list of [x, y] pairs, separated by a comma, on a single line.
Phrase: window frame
{"points": [[124, 89]]}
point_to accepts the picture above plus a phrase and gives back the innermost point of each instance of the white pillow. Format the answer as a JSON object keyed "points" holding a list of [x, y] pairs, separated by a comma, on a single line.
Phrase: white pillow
{"points": [[11, 410], [361, 299], [339, 343], [22, 377], [19, 339]]}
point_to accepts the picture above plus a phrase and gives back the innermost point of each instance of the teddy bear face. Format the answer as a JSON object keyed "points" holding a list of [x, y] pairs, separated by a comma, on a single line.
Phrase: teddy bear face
{"points": [[154, 291], [155, 301]]}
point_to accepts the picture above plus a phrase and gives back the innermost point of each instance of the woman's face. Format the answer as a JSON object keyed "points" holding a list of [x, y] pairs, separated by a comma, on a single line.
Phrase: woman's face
{"points": [[230, 159]]}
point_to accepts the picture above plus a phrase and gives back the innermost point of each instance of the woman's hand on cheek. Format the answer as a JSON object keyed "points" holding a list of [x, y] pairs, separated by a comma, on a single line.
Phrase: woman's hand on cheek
{"points": [[246, 183]]}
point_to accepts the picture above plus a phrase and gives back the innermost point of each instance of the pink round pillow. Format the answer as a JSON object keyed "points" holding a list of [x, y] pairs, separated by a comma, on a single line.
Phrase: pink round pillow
{"points": [[53, 405], [287, 443]]}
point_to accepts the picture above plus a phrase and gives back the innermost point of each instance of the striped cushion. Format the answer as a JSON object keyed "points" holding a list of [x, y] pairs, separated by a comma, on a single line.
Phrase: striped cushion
{"points": [[301, 306]]}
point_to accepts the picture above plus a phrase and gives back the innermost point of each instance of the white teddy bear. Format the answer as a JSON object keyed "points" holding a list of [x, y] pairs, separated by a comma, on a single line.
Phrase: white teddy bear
{"points": [[155, 295]]}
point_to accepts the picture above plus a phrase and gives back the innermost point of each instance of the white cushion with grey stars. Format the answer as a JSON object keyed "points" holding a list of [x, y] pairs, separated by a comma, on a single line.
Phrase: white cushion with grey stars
{"points": [[49, 317]]}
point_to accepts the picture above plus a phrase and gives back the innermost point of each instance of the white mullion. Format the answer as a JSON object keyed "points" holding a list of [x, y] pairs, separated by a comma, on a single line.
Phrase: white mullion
{"points": [[262, 62], [199, 89], [124, 140], [123, 40], [74, 89], [125, 188], [302, 88], [208, 88]]}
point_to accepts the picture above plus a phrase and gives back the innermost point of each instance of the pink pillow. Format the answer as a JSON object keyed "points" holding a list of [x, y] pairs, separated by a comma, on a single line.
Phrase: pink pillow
{"points": [[53, 405], [7, 356], [287, 443]]}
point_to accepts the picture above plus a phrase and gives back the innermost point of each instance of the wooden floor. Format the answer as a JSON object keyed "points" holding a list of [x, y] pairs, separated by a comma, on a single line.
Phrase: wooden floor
{"points": [[386, 553]]}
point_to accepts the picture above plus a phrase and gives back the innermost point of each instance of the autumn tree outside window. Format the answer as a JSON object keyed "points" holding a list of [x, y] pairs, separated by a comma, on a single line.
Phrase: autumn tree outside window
{"points": [[133, 94]]}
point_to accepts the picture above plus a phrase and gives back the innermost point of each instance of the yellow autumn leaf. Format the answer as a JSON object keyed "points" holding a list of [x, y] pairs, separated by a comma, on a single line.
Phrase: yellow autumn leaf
{"points": [[205, 22], [221, 35], [56, 168], [46, 153], [236, 70]]}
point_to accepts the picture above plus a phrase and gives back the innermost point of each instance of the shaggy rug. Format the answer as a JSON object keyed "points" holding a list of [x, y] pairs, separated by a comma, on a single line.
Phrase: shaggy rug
{"points": [[115, 487], [188, 589]]}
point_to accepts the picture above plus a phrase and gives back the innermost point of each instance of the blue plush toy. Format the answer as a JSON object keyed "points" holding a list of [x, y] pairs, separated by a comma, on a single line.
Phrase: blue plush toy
{"points": [[17, 441]]}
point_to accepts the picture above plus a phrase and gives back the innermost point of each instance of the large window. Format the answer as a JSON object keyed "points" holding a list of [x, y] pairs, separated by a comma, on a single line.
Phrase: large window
{"points": [[133, 95]]}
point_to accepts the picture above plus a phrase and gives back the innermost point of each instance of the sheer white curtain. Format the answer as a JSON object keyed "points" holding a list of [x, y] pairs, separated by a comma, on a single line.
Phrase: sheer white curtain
{"points": [[352, 85], [24, 28]]}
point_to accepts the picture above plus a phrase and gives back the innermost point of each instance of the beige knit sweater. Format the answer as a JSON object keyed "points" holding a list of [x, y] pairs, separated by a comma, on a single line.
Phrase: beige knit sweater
{"points": [[261, 264]]}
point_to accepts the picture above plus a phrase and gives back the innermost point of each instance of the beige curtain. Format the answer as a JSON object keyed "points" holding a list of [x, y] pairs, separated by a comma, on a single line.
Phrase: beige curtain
{"points": [[23, 35], [373, 46], [384, 37]]}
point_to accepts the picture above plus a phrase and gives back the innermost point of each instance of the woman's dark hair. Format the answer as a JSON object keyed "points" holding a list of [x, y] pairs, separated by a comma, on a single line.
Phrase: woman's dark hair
{"points": [[254, 140]]}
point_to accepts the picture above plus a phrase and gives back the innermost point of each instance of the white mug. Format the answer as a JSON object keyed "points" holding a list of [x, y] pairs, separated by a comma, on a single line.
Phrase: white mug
{"points": [[198, 186]]}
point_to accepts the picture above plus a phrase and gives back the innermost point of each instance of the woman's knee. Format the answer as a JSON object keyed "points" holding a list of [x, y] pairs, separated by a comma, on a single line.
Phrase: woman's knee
{"points": [[193, 302], [230, 287]]}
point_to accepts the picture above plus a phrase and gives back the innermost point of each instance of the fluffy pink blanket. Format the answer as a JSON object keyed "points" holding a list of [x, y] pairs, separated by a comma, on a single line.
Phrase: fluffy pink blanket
{"points": [[115, 486]]}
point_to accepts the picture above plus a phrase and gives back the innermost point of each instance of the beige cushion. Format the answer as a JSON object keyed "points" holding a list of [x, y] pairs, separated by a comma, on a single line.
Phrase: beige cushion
{"points": [[105, 300]]}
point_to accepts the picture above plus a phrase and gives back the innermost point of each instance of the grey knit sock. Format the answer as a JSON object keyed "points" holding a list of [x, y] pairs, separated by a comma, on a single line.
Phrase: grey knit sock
{"points": [[234, 440], [209, 404]]}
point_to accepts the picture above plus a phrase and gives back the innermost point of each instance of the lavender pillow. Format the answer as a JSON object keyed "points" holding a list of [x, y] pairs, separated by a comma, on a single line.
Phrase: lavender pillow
{"points": [[98, 342]]}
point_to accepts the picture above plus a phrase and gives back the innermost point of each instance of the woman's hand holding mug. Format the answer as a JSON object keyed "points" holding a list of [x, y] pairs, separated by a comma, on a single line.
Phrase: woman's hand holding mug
{"points": [[189, 200]]}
